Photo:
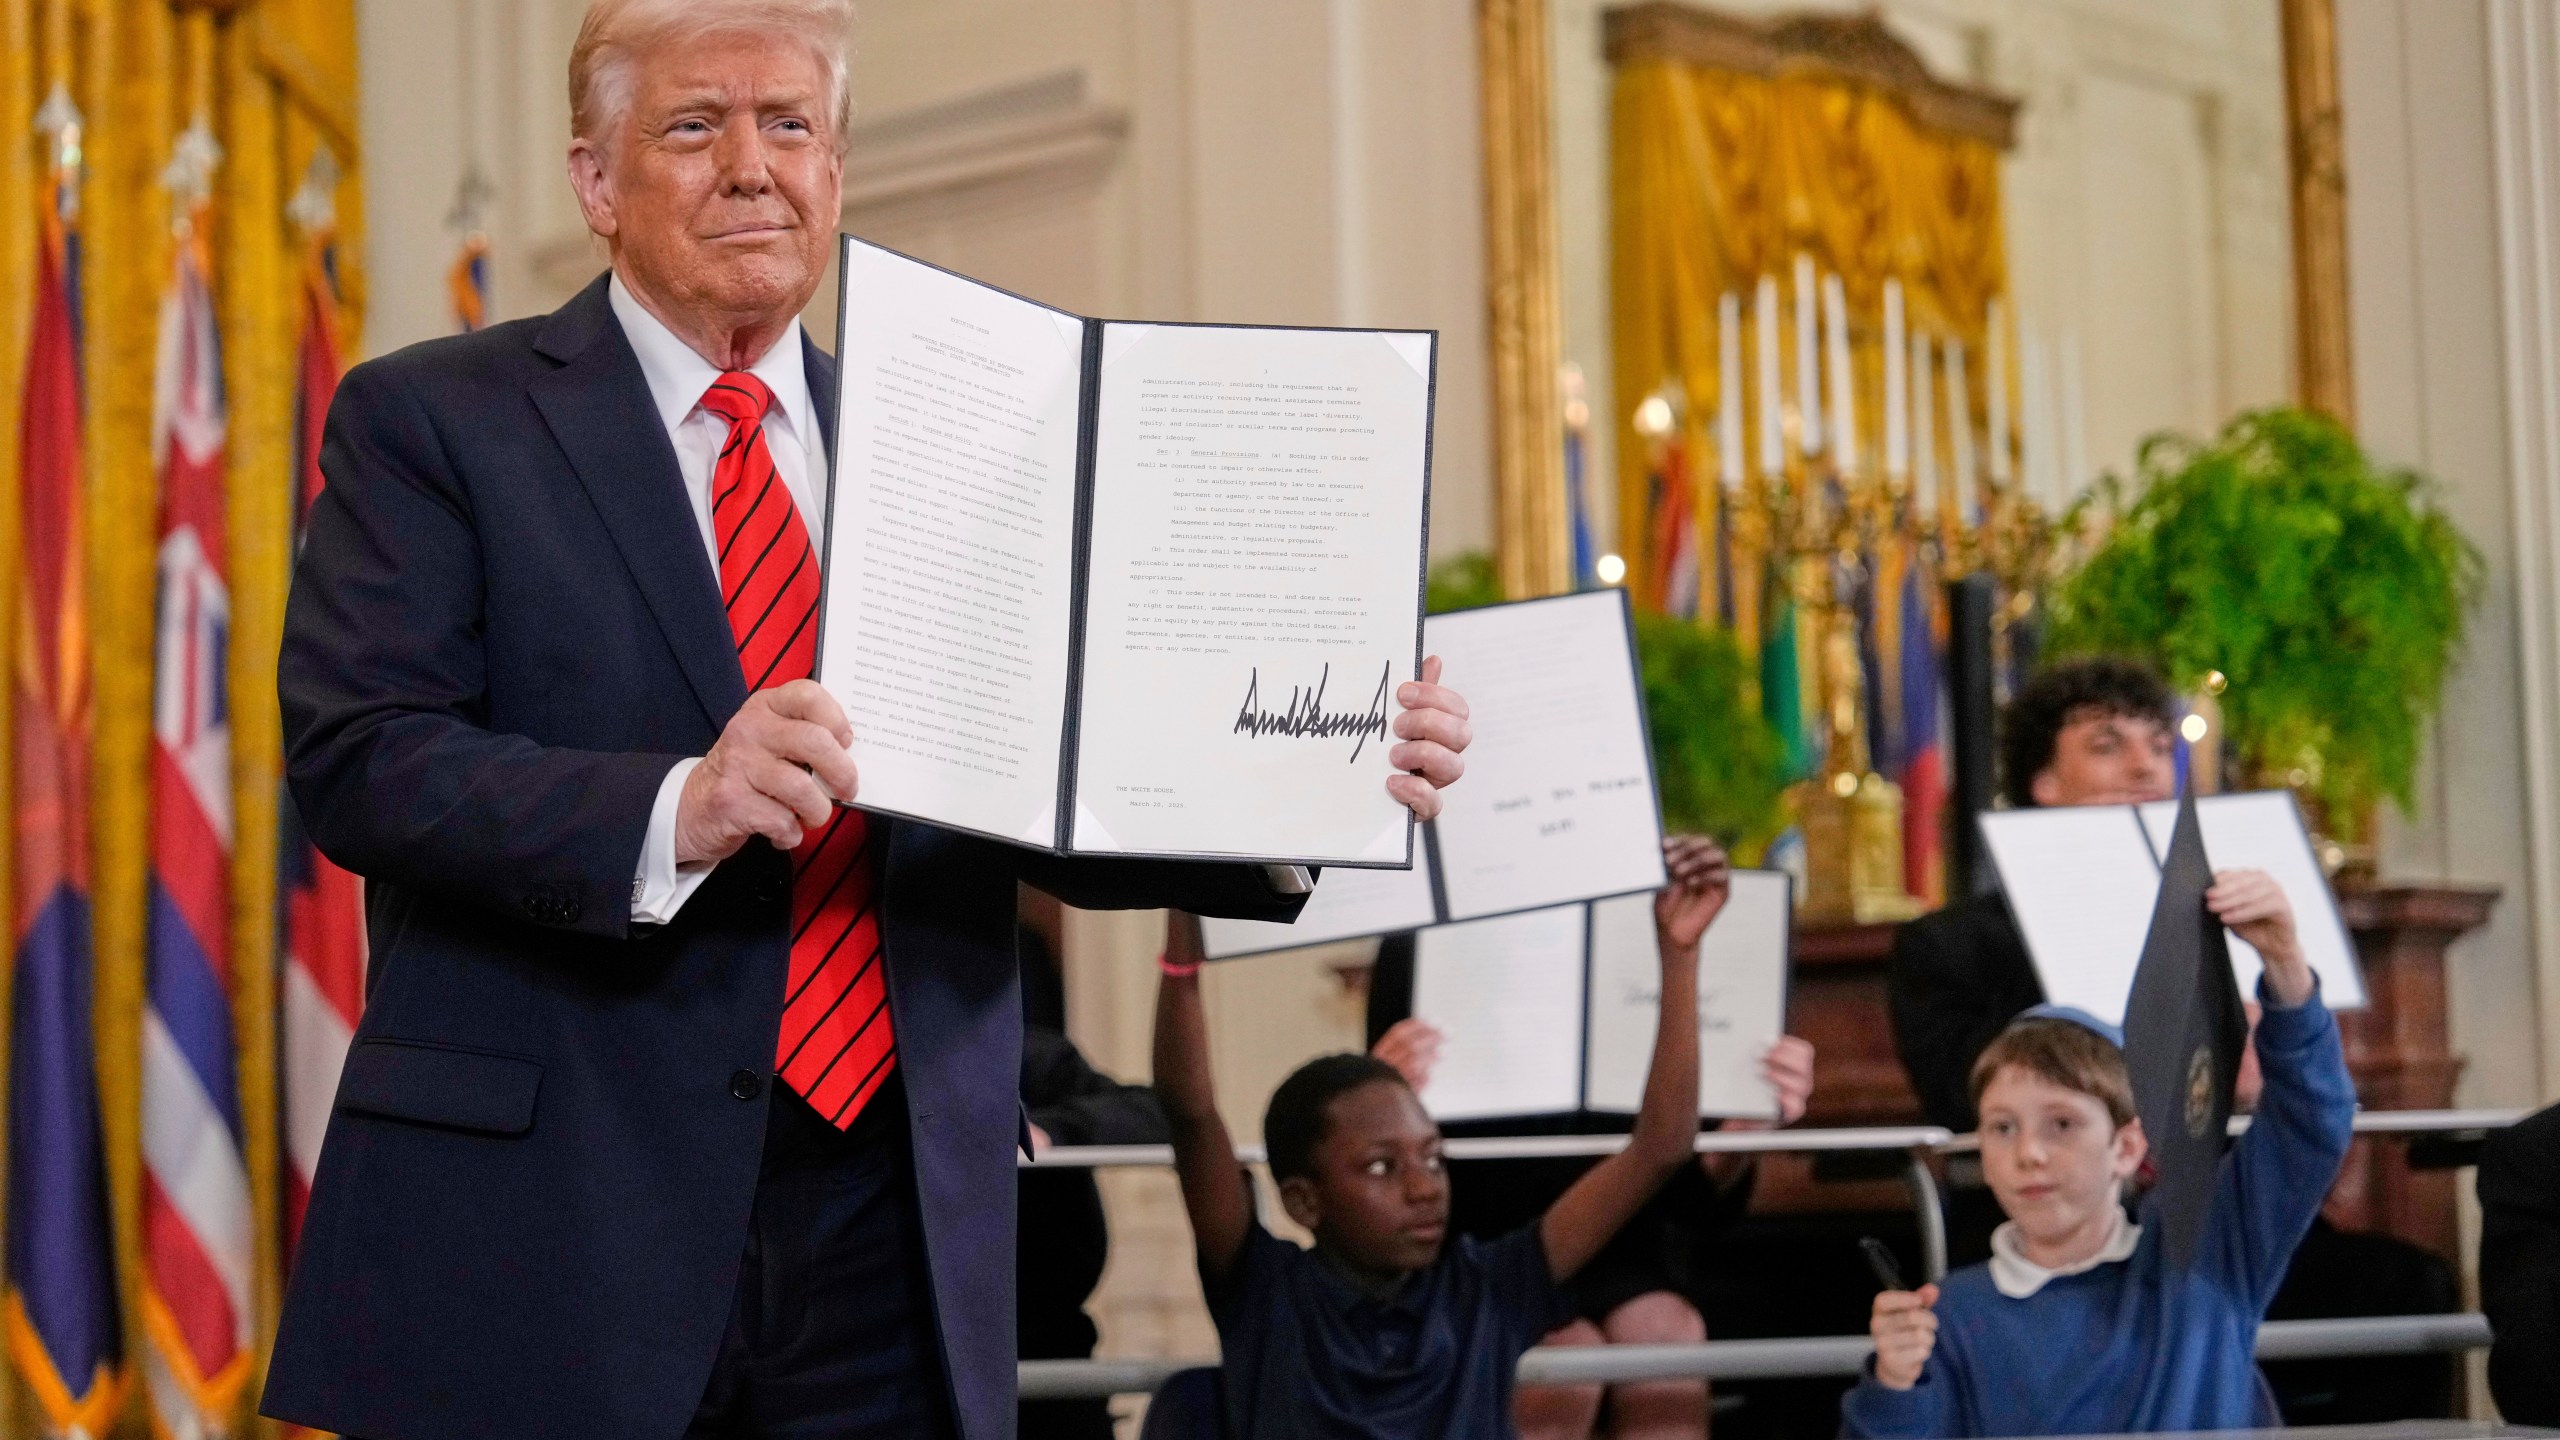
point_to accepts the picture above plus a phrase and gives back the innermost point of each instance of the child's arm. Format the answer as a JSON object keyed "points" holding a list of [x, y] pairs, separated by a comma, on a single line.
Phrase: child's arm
{"points": [[2279, 1173], [1213, 1188], [1666, 1130], [1900, 1394]]}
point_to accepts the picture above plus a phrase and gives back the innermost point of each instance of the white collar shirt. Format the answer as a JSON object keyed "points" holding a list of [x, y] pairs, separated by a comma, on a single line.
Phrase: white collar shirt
{"points": [[677, 378], [2018, 1277]]}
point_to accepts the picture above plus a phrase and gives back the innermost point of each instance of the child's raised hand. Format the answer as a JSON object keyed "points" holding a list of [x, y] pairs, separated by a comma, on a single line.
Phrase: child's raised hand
{"points": [[1701, 878], [1788, 1064], [1412, 1046], [1905, 1330], [2254, 906]]}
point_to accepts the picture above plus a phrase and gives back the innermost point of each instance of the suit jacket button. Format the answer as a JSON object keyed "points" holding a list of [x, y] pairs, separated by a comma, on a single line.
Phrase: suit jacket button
{"points": [[769, 889], [745, 1084]]}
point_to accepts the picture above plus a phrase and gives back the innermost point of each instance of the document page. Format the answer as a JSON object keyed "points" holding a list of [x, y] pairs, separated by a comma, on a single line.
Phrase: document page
{"points": [[1347, 904], [950, 544], [2263, 830], [2082, 883], [1558, 804], [1254, 591], [1507, 995], [1742, 999]]}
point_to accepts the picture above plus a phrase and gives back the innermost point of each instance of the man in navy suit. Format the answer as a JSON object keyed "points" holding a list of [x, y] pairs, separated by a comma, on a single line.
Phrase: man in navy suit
{"points": [[684, 1102]]}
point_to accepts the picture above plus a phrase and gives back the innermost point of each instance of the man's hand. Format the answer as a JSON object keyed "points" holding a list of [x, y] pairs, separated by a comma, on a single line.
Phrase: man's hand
{"points": [[1412, 1046], [2252, 904], [1433, 728], [1701, 878], [777, 771], [1905, 1330]]}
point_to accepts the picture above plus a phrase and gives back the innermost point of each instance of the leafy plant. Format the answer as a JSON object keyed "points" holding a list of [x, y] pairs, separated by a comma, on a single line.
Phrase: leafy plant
{"points": [[2329, 590], [1714, 757]]}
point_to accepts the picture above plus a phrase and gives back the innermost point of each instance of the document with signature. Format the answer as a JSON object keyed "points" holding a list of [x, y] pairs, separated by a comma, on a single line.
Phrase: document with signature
{"points": [[1554, 1012], [1113, 588], [2082, 883], [1559, 803]]}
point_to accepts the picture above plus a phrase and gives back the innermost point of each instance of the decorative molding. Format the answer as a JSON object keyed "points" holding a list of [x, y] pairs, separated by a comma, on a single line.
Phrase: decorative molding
{"points": [[2324, 368], [1532, 544], [1852, 47], [2524, 134], [1032, 138]]}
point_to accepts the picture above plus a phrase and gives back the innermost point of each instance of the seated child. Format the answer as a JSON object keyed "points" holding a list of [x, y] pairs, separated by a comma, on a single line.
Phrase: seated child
{"points": [[2077, 1324], [1385, 1328]]}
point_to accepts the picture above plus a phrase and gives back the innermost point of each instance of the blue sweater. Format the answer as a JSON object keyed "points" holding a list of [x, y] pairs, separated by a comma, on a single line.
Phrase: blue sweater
{"points": [[2134, 1346]]}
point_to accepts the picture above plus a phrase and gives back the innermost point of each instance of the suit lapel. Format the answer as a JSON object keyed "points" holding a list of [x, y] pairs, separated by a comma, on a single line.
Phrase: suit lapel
{"points": [[597, 404]]}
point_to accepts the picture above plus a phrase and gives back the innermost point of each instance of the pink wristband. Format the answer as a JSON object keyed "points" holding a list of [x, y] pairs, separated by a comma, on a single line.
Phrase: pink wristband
{"points": [[1179, 972]]}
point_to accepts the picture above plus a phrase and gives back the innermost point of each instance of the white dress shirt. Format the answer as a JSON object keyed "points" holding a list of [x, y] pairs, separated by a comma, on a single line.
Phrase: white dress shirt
{"points": [[2018, 1277], [677, 377]]}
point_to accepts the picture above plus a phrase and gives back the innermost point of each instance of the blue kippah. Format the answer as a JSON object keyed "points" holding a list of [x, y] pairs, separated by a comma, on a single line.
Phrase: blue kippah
{"points": [[2113, 1035]]}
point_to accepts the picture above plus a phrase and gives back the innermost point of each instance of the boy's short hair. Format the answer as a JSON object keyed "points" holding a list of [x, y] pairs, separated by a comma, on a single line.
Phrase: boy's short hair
{"points": [[2101, 685], [1298, 1119], [2064, 1053]]}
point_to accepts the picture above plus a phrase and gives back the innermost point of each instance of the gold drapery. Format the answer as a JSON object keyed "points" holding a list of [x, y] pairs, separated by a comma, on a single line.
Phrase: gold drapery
{"points": [[276, 80], [1721, 176]]}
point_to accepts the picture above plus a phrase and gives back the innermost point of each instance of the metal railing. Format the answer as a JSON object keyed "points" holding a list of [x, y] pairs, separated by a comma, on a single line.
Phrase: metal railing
{"points": [[1812, 1356], [1808, 1357]]}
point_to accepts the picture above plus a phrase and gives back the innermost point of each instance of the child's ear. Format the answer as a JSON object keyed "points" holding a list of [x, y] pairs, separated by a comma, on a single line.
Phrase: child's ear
{"points": [[1299, 1198], [2132, 1147]]}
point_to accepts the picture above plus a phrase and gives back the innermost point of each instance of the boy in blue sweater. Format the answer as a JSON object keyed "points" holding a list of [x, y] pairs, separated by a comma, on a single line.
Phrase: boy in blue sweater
{"points": [[2077, 1324]]}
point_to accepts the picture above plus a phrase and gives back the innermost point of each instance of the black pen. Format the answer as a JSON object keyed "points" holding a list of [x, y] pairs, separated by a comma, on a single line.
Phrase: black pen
{"points": [[1888, 1271]]}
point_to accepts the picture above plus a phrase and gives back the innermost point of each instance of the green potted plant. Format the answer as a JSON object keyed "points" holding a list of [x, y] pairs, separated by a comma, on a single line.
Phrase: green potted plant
{"points": [[1715, 759], [2328, 591]]}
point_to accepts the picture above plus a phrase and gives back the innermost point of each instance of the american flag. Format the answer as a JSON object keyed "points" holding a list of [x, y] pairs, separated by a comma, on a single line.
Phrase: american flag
{"points": [[197, 1246]]}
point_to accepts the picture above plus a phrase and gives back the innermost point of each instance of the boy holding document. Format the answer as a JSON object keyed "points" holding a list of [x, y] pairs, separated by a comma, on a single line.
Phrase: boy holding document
{"points": [[1385, 1329], [2084, 1322]]}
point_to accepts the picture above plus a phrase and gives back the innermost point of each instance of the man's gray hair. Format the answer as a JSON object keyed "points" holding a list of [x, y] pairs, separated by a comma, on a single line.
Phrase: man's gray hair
{"points": [[616, 32]]}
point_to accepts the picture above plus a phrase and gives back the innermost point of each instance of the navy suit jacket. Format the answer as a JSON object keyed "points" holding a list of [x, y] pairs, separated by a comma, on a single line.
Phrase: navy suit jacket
{"points": [[533, 1201]]}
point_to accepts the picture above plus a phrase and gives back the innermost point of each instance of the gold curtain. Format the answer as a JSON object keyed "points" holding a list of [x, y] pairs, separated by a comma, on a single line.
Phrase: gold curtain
{"points": [[276, 80], [1719, 177]]}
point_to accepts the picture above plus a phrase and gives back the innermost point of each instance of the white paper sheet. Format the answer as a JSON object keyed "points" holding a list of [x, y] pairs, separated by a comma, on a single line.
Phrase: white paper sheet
{"points": [[1742, 1000], [1506, 995], [951, 543], [1253, 592], [1558, 802], [1346, 904], [2082, 883], [2262, 830]]}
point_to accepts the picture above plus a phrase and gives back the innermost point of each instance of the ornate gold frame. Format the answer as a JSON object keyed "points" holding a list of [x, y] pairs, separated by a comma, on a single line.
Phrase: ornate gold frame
{"points": [[1531, 541]]}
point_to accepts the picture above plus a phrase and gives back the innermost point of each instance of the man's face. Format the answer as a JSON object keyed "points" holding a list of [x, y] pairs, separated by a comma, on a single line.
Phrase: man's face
{"points": [[1379, 1197], [2053, 1156], [720, 187], [2101, 758]]}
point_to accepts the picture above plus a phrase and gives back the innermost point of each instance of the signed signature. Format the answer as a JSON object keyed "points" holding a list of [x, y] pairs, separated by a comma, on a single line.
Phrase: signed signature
{"points": [[1306, 715]]}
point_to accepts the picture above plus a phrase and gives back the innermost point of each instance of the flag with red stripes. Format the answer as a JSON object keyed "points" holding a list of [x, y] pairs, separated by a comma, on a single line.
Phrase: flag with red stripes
{"points": [[197, 1249], [64, 1322], [320, 981]]}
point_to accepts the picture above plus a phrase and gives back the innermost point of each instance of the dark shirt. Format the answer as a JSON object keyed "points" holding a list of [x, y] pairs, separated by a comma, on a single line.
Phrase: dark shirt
{"points": [[1955, 980], [2520, 1266], [1062, 1242], [1308, 1355]]}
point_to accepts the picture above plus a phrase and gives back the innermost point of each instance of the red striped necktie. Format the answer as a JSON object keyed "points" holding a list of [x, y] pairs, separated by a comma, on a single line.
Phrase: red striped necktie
{"points": [[835, 1048]]}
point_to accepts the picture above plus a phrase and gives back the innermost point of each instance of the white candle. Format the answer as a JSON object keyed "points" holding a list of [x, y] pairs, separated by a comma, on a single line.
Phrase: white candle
{"points": [[1773, 435], [1964, 474], [1995, 396], [2075, 419], [1729, 388], [1924, 436], [1844, 399], [1808, 362], [2037, 467], [1897, 394]]}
